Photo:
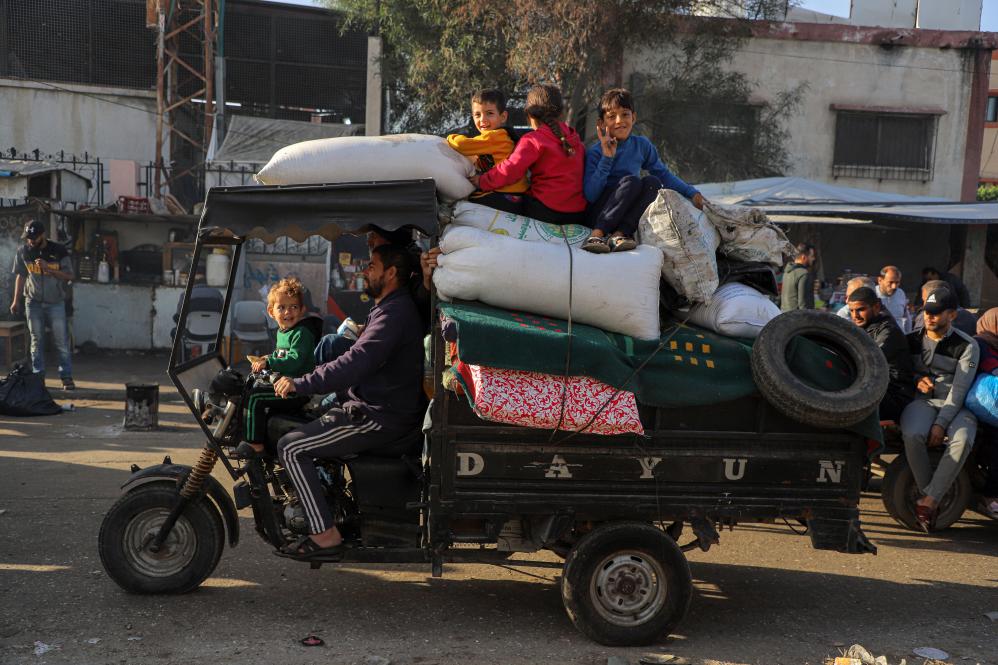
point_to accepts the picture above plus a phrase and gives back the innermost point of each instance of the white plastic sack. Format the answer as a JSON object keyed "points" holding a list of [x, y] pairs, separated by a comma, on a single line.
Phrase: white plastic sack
{"points": [[359, 158], [616, 292], [688, 241], [748, 235], [489, 219], [735, 310]]}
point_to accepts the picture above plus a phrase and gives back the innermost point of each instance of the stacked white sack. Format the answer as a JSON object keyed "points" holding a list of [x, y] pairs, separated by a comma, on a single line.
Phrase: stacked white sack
{"points": [[482, 217], [616, 292], [735, 310], [362, 158], [689, 242], [748, 235]]}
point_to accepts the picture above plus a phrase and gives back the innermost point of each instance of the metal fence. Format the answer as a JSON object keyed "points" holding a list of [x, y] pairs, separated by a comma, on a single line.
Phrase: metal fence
{"points": [[281, 61], [86, 165]]}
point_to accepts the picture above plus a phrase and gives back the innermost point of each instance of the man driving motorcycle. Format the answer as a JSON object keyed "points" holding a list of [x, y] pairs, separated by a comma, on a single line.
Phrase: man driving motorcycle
{"points": [[379, 385]]}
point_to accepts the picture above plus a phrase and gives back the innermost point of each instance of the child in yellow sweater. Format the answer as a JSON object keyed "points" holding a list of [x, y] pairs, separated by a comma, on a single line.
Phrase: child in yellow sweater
{"points": [[491, 146]]}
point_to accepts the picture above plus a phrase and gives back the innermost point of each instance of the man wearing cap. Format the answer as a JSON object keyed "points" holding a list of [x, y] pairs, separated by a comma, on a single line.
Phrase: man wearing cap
{"points": [[964, 321], [42, 269], [867, 311], [945, 361]]}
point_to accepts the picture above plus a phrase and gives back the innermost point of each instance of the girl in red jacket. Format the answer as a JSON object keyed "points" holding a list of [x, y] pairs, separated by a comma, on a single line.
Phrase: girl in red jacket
{"points": [[555, 157]]}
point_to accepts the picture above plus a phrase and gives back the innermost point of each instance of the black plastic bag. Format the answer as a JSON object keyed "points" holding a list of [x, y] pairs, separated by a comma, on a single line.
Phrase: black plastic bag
{"points": [[23, 393]]}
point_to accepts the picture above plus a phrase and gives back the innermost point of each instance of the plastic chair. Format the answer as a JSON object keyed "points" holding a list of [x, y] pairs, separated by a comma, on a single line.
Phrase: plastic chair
{"points": [[250, 326], [203, 319]]}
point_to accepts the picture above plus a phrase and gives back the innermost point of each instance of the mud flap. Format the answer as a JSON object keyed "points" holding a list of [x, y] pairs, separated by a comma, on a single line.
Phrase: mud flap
{"points": [[177, 473], [839, 535]]}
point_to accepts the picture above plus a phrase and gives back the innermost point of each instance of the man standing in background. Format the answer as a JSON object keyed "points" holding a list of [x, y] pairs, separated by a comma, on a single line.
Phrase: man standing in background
{"points": [[798, 280], [42, 270]]}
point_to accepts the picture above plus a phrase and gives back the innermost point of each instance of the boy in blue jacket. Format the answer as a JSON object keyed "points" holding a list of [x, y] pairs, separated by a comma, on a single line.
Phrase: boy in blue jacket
{"points": [[613, 186]]}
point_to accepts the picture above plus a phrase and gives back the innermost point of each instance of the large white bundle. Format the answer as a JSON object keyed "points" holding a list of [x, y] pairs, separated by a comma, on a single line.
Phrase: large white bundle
{"points": [[359, 158], [735, 310], [489, 219], [616, 292], [748, 235], [688, 241]]}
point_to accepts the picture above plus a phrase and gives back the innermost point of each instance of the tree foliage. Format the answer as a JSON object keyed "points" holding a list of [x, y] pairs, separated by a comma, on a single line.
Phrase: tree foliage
{"points": [[437, 51]]}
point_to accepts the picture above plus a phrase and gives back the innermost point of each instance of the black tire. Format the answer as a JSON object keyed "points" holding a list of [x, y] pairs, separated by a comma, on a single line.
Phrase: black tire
{"points": [[899, 493], [189, 555], [626, 584], [803, 402]]}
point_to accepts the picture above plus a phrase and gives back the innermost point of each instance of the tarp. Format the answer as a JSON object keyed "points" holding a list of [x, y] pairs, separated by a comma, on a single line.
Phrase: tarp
{"points": [[696, 366], [300, 211], [789, 198], [255, 140]]}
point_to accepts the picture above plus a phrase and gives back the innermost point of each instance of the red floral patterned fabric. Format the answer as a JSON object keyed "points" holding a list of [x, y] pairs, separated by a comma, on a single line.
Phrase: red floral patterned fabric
{"points": [[534, 400]]}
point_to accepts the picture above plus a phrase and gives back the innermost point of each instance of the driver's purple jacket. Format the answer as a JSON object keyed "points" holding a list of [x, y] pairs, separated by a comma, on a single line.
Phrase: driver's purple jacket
{"points": [[382, 373]]}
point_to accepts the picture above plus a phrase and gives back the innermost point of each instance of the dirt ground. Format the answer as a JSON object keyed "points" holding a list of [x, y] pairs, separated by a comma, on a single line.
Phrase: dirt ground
{"points": [[763, 597]]}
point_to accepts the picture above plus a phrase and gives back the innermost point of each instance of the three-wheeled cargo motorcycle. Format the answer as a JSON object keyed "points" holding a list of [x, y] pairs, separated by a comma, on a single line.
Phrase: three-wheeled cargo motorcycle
{"points": [[615, 508]]}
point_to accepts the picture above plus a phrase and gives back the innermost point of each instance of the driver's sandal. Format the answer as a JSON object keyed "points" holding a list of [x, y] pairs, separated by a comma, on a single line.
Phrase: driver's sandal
{"points": [[310, 551]]}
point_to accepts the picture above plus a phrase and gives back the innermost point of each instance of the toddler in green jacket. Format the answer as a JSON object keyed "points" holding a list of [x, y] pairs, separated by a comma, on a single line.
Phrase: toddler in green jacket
{"points": [[293, 357]]}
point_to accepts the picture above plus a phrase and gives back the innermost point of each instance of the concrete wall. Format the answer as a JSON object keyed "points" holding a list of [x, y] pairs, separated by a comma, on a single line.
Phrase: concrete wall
{"points": [[108, 123], [847, 73]]}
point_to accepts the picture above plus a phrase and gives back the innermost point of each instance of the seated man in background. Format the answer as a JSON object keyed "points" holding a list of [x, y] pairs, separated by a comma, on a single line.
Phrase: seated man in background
{"points": [[851, 286], [965, 322], [866, 310], [893, 296], [945, 361]]}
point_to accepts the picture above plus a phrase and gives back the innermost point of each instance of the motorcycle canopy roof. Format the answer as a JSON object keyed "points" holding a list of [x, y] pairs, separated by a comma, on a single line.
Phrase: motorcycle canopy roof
{"points": [[299, 211]]}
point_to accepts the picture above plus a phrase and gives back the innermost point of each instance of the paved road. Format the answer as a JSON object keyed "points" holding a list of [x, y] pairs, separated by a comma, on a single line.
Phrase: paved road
{"points": [[764, 596]]}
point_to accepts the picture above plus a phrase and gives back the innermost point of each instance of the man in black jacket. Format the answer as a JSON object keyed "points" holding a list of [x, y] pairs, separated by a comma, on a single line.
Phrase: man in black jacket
{"points": [[866, 311]]}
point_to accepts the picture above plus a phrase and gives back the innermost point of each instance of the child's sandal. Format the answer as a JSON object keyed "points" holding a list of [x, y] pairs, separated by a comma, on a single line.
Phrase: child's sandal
{"points": [[622, 244], [596, 245]]}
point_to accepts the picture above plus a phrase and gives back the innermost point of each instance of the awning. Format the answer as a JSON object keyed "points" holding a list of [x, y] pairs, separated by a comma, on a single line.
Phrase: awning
{"points": [[817, 202], [300, 211]]}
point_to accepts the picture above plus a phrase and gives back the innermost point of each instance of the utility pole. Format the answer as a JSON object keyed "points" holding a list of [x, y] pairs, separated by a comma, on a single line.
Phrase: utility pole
{"points": [[186, 35]]}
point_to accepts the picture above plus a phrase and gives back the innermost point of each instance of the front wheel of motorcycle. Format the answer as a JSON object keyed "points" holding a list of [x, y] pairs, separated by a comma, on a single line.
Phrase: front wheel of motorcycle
{"points": [[187, 557]]}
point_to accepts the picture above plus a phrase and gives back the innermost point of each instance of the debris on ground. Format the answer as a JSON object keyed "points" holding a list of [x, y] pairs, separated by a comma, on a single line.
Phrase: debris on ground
{"points": [[93, 640], [312, 641], [662, 659], [930, 652], [41, 648]]}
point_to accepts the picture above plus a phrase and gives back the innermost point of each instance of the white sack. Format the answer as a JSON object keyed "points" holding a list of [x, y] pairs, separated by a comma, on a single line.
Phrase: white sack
{"points": [[360, 158], [617, 292], [689, 242], [735, 310], [489, 219], [748, 235]]}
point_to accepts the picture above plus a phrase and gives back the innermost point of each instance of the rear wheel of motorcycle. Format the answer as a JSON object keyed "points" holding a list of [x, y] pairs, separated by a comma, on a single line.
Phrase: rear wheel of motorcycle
{"points": [[626, 584], [188, 556], [900, 492]]}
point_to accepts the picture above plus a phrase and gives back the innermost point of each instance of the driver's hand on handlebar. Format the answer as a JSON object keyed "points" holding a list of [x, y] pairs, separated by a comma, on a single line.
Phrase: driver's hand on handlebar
{"points": [[284, 387], [259, 365]]}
